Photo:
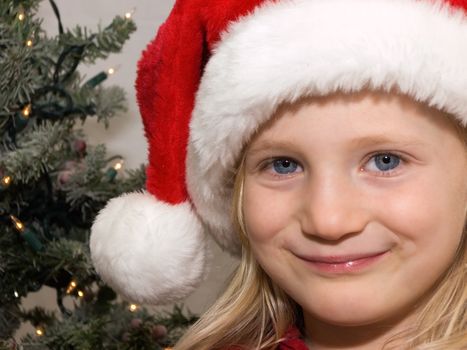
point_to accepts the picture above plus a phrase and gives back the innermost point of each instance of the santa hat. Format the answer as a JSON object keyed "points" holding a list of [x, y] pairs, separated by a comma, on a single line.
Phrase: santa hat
{"points": [[217, 70]]}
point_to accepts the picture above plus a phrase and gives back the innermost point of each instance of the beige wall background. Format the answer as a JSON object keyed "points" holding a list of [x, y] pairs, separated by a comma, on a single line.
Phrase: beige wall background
{"points": [[125, 135]]}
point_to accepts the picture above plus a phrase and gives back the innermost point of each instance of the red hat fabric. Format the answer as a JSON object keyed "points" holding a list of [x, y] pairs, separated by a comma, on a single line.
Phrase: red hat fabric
{"points": [[217, 71]]}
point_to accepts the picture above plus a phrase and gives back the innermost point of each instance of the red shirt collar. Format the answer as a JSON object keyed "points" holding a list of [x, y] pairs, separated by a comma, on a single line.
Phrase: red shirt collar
{"points": [[293, 341]]}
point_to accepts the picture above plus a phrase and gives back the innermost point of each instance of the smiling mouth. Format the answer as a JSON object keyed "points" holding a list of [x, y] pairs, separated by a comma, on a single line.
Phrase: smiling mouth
{"points": [[344, 264]]}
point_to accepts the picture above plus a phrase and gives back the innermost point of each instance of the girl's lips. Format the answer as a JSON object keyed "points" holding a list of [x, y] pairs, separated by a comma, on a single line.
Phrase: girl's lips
{"points": [[343, 264]]}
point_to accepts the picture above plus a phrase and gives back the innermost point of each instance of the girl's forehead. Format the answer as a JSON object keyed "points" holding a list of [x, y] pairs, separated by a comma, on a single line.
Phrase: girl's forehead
{"points": [[366, 115], [365, 99]]}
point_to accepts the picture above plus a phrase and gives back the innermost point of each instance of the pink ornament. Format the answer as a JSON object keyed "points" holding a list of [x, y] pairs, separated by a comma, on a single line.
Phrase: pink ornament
{"points": [[136, 323], [79, 146], [64, 176], [126, 337], [159, 331]]}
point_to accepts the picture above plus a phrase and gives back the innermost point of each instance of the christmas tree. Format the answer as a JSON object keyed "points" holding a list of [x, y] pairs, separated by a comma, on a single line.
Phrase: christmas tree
{"points": [[52, 184]]}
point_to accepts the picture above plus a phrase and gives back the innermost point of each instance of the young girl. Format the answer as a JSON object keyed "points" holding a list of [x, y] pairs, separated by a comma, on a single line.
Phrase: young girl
{"points": [[336, 130]]}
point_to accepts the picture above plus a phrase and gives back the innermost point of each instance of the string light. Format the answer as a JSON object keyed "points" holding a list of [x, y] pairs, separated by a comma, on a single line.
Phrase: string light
{"points": [[27, 234], [17, 223], [80, 293], [113, 171], [133, 307], [119, 165], [39, 331], [6, 181], [113, 70], [71, 287], [129, 14], [30, 41], [100, 77], [26, 111], [21, 15], [16, 294], [22, 118]]}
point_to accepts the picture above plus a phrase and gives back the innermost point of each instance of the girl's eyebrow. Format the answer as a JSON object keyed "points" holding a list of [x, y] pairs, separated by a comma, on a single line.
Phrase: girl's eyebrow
{"points": [[385, 139], [359, 142], [264, 145]]}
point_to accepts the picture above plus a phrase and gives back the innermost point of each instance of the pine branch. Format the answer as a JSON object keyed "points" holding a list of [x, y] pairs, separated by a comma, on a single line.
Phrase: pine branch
{"points": [[68, 255], [117, 329], [42, 148], [39, 316], [9, 319], [109, 102], [90, 186], [19, 63], [99, 45]]}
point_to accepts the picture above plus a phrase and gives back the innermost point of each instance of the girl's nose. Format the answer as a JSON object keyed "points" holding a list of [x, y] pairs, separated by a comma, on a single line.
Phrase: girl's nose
{"points": [[333, 208]]}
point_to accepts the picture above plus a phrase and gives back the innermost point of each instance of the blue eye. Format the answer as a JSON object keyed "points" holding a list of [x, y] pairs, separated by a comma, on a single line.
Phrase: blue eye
{"points": [[284, 166], [386, 161]]}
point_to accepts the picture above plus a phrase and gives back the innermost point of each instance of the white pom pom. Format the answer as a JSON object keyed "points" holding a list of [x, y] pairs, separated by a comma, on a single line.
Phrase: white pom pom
{"points": [[149, 251]]}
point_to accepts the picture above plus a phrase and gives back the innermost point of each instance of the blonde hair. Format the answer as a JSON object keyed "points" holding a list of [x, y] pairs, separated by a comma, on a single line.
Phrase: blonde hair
{"points": [[254, 313], [442, 322]]}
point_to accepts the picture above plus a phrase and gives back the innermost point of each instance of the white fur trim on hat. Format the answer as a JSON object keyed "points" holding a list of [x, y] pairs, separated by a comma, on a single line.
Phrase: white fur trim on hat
{"points": [[289, 49], [149, 251]]}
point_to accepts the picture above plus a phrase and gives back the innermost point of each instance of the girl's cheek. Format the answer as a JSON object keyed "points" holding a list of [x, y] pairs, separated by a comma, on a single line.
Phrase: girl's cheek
{"points": [[266, 211], [420, 210]]}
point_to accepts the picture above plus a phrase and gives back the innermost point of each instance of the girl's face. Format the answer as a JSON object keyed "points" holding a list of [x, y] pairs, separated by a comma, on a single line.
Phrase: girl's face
{"points": [[355, 204]]}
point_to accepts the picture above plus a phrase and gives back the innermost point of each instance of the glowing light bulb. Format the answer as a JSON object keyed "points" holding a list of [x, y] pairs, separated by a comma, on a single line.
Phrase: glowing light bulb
{"points": [[113, 70], [118, 165], [133, 307], [18, 224], [80, 293], [27, 234], [112, 172], [26, 111], [21, 15], [39, 332], [6, 181], [29, 42], [16, 294], [71, 287], [129, 14]]}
